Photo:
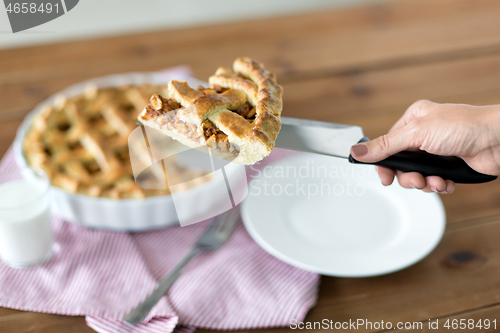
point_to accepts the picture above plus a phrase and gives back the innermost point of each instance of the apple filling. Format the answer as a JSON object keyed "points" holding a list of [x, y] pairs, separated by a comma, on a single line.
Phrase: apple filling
{"points": [[164, 110]]}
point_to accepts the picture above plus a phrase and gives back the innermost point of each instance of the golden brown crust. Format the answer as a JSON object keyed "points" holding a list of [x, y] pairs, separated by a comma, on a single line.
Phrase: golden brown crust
{"points": [[82, 142], [244, 103]]}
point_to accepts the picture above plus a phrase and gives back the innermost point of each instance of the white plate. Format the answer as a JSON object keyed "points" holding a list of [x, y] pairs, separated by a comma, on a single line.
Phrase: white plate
{"points": [[328, 216]]}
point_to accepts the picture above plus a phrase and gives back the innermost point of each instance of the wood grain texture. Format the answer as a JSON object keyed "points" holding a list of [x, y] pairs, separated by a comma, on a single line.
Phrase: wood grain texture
{"points": [[390, 35], [460, 275], [361, 66], [314, 42], [478, 318]]}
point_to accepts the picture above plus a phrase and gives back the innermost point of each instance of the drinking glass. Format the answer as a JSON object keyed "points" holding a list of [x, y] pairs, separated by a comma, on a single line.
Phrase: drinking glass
{"points": [[26, 237]]}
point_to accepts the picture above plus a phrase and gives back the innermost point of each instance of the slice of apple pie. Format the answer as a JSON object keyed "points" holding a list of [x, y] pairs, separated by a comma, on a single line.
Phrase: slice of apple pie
{"points": [[237, 117]]}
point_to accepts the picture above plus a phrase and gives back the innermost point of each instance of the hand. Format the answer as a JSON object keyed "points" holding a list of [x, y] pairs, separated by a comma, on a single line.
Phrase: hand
{"points": [[469, 132]]}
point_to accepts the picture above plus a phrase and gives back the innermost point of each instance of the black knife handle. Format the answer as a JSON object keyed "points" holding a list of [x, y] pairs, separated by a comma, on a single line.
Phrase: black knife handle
{"points": [[446, 167]]}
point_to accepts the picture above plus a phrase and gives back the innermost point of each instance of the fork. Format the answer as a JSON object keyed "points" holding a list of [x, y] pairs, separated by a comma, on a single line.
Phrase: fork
{"points": [[219, 231]]}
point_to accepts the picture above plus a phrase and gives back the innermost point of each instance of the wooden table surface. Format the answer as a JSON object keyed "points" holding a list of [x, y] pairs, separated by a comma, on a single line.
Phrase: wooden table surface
{"points": [[362, 66]]}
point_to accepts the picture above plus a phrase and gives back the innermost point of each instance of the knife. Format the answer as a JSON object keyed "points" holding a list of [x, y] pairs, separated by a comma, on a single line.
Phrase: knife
{"points": [[332, 139]]}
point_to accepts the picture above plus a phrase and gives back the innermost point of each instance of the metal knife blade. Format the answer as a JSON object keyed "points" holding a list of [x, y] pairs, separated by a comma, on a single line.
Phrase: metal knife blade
{"points": [[336, 140], [318, 137]]}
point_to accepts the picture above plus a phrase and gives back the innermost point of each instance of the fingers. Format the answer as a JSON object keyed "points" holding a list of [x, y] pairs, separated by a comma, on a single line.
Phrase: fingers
{"points": [[386, 175], [450, 186], [417, 109], [417, 181], [434, 184], [411, 180], [386, 145], [406, 133], [438, 185]]}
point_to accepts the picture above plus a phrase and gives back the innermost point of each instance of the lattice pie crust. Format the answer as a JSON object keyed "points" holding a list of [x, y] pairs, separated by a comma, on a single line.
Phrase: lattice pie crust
{"points": [[238, 117], [82, 142]]}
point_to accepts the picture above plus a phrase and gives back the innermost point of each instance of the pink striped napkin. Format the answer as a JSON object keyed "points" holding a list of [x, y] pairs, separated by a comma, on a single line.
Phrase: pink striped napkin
{"points": [[104, 274]]}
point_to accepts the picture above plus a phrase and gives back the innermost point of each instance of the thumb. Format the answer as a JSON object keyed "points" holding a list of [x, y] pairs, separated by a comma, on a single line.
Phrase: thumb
{"points": [[383, 146]]}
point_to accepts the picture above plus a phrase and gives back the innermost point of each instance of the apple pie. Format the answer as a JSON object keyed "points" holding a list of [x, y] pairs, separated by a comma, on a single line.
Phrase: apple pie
{"points": [[237, 117], [81, 142]]}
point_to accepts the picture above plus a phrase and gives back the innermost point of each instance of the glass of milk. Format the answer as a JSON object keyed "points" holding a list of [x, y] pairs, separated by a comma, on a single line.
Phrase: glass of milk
{"points": [[26, 237]]}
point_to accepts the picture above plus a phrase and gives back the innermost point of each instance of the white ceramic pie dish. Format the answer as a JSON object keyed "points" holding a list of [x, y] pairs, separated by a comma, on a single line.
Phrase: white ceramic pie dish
{"points": [[125, 214]]}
